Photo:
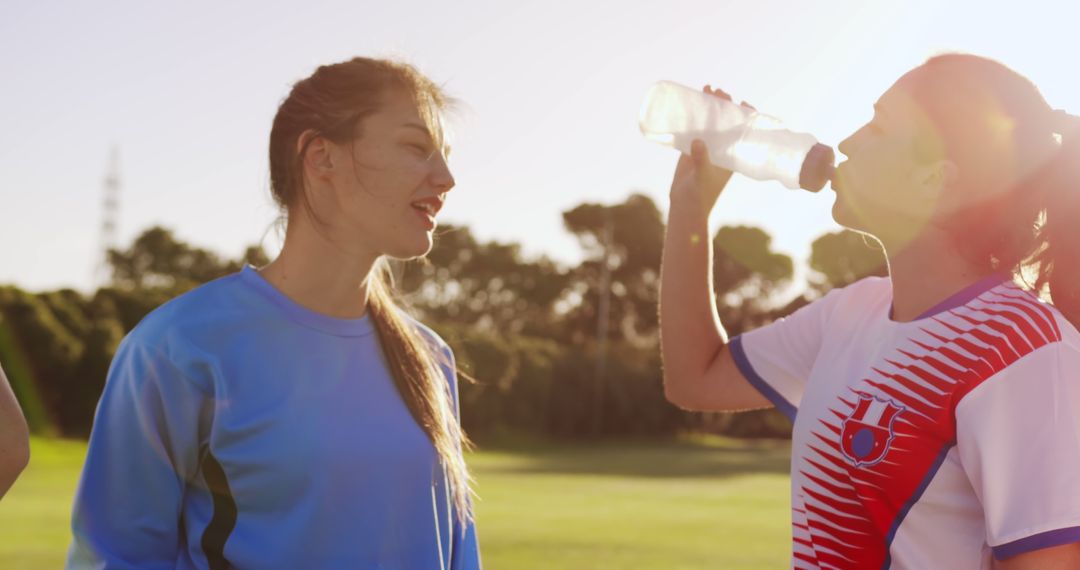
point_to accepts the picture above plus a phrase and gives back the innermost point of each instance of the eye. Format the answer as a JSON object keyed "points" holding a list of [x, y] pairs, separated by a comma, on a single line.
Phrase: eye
{"points": [[421, 150]]}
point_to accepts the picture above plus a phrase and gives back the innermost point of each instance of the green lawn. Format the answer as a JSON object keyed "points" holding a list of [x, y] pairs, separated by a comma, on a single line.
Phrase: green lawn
{"points": [[673, 505], [35, 514]]}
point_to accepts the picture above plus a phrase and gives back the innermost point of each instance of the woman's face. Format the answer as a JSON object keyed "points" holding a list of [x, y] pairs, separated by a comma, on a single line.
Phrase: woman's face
{"points": [[386, 186], [890, 183]]}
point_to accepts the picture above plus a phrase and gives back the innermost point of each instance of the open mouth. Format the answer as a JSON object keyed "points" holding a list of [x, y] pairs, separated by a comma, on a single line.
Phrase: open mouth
{"points": [[427, 209]]}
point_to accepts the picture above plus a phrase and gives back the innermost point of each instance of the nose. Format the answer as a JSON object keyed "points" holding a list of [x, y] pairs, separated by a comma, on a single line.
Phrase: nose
{"points": [[845, 146], [849, 144], [441, 177]]}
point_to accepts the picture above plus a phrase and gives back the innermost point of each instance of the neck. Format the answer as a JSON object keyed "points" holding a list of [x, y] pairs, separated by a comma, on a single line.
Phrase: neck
{"points": [[319, 274], [927, 271]]}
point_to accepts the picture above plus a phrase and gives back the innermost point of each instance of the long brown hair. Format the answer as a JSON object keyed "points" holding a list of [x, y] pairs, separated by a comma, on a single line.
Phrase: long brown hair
{"points": [[332, 103], [1021, 159]]}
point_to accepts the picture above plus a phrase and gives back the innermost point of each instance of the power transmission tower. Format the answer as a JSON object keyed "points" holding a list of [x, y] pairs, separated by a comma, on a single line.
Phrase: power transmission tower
{"points": [[110, 216]]}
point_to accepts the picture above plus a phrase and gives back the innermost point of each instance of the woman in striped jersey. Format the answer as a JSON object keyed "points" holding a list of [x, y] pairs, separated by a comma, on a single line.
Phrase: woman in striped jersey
{"points": [[937, 411]]}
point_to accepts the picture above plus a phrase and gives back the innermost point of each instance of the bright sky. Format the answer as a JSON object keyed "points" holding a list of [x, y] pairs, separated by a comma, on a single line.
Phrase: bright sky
{"points": [[551, 92]]}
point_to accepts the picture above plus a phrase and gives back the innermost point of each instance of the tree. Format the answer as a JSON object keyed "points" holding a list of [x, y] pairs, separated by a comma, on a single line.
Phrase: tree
{"points": [[746, 275], [51, 352], [254, 255], [20, 372], [157, 259], [57, 346], [526, 328], [621, 271], [488, 285], [842, 258], [81, 390]]}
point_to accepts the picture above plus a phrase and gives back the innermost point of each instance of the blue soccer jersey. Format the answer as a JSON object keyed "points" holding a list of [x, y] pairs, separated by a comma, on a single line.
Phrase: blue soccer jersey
{"points": [[240, 429]]}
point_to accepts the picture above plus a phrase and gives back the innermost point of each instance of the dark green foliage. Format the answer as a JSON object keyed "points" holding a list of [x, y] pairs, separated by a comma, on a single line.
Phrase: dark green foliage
{"points": [[57, 346], [527, 330], [844, 257]]}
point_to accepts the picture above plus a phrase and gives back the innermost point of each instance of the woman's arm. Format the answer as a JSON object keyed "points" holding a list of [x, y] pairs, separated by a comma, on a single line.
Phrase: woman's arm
{"points": [[143, 454], [14, 437], [699, 371]]}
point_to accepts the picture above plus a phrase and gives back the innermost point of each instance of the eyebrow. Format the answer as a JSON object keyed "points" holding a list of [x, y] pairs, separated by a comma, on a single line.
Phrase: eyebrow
{"points": [[418, 127], [427, 133]]}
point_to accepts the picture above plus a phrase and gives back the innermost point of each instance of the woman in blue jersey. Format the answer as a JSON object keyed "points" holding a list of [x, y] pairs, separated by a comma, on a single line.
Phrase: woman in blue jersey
{"points": [[293, 416], [936, 411]]}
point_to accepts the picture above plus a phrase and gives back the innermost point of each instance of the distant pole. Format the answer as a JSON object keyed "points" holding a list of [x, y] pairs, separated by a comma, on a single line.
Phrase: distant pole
{"points": [[110, 215], [602, 323]]}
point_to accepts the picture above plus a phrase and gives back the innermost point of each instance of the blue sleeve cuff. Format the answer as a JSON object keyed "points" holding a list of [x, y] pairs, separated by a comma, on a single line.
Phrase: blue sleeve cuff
{"points": [[755, 379], [1037, 542]]}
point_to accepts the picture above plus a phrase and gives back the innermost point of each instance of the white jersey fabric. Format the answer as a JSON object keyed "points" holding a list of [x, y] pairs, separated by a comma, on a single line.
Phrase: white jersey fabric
{"points": [[935, 443]]}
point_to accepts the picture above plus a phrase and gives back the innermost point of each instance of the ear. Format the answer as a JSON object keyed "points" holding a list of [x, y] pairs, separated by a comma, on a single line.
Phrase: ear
{"points": [[933, 178], [318, 156]]}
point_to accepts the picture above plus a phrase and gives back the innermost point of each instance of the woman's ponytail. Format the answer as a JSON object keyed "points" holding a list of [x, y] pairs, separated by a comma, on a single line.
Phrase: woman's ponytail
{"points": [[1059, 257]]}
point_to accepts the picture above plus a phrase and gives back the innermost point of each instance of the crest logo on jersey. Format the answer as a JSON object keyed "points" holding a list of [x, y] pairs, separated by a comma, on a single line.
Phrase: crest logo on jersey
{"points": [[868, 431]]}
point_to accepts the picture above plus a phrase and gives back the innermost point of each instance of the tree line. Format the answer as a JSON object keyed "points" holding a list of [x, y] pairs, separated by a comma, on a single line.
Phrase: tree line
{"points": [[546, 349]]}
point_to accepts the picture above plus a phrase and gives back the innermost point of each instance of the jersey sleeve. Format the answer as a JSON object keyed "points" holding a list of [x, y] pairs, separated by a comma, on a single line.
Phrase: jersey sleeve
{"points": [[1018, 437], [143, 450], [777, 358]]}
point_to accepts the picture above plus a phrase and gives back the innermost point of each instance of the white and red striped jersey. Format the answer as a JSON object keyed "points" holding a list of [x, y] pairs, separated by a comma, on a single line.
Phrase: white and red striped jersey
{"points": [[935, 443]]}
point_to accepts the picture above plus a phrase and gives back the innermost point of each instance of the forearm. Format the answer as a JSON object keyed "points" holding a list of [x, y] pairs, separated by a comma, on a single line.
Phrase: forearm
{"points": [[691, 334], [14, 437]]}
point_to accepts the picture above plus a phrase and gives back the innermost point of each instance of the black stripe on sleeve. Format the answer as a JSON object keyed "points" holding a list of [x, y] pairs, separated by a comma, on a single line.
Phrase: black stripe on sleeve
{"points": [[224, 519]]}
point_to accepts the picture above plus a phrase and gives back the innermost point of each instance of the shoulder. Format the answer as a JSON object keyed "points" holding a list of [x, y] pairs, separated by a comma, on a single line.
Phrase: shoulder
{"points": [[440, 349], [1039, 347], [441, 353], [199, 307], [868, 290], [1054, 341], [176, 333], [857, 299], [427, 333], [1017, 324], [1037, 322], [1057, 359]]}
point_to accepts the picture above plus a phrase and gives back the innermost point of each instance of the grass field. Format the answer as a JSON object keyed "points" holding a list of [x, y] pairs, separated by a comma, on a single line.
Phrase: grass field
{"points": [[651, 505]]}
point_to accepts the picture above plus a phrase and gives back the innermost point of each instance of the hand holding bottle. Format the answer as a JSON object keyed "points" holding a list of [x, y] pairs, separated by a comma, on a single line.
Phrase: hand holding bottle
{"points": [[738, 137], [696, 179]]}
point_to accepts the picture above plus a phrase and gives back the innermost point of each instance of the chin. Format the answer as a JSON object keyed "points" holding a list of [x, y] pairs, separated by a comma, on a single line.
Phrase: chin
{"points": [[840, 214], [417, 246], [846, 218]]}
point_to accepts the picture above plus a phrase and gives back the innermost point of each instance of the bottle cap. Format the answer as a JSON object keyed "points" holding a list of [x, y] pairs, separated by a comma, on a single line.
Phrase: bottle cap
{"points": [[817, 167]]}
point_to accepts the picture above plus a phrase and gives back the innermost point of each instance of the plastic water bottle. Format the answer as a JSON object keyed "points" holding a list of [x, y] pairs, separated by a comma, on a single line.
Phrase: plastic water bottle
{"points": [[738, 138]]}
